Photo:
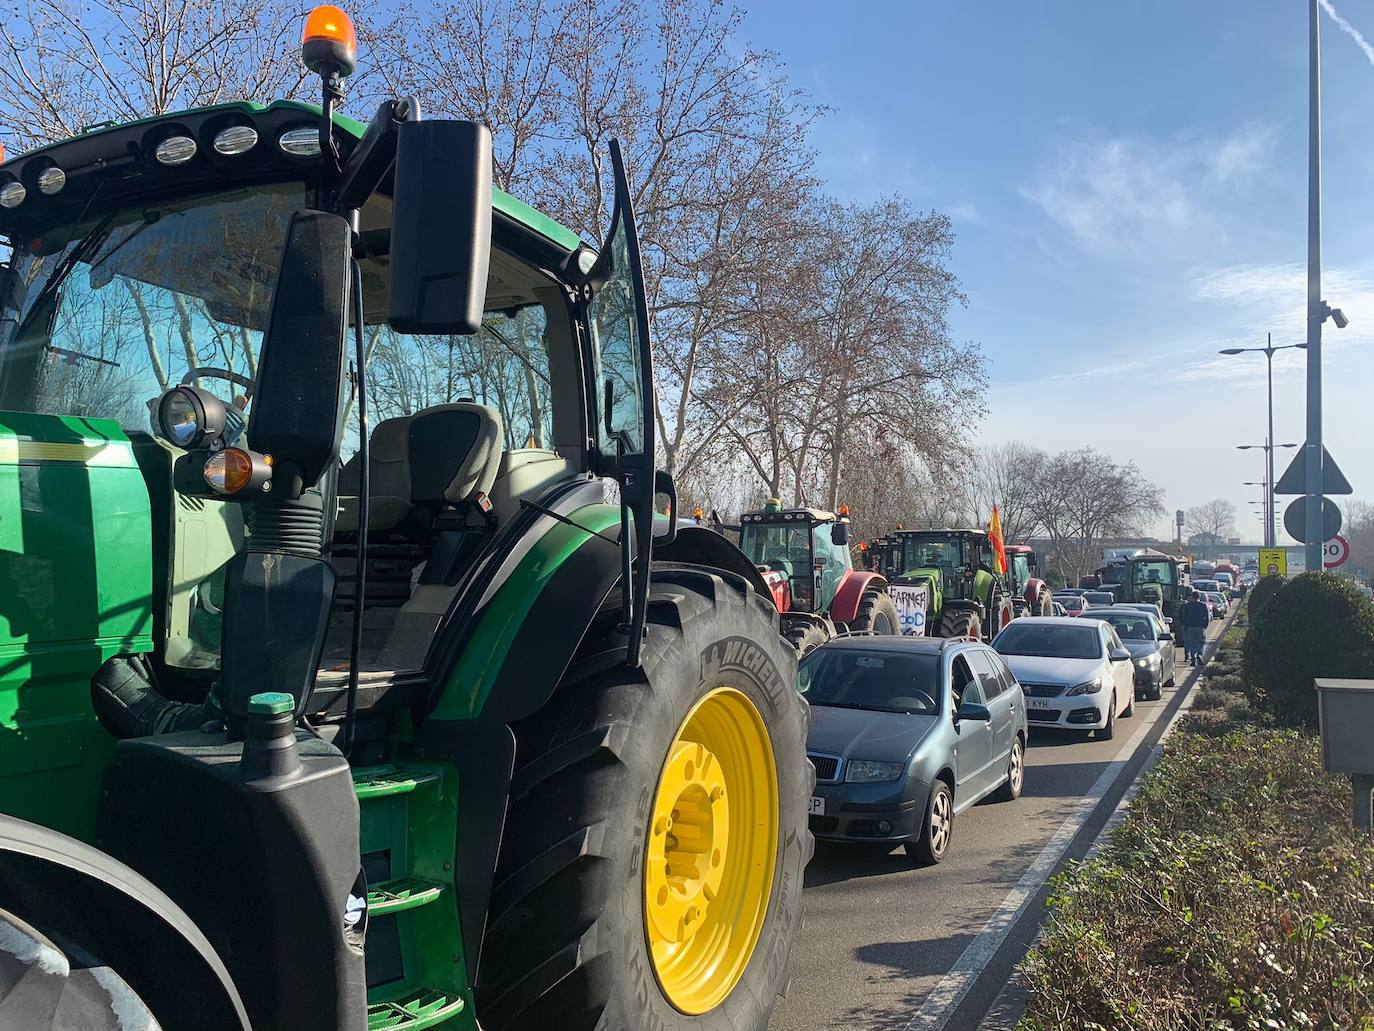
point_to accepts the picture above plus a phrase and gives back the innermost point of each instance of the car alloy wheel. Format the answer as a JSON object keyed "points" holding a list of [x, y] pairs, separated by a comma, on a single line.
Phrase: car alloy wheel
{"points": [[939, 823], [937, 830]]}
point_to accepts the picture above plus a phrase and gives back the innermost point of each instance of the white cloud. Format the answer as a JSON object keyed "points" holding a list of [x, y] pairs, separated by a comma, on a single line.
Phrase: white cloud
{"points": [[1349, 30], [1136, 190]]}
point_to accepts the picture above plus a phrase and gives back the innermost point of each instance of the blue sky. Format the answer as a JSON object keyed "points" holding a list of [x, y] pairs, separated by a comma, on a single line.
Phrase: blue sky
{"points": [[1127, 182]]}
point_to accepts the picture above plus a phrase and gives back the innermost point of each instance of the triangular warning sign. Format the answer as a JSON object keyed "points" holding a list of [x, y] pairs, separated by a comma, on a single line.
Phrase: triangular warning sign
{"points": [[1294, 478]]}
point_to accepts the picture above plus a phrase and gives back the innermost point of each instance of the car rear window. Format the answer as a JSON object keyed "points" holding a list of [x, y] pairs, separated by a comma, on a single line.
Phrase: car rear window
{"points": [[1067, 640], [1131, 628], [883, 680]]}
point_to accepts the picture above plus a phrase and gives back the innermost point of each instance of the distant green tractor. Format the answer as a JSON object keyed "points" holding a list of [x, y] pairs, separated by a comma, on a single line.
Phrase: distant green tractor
{"points": [[803, 554], [333, 694], [945, 585]]}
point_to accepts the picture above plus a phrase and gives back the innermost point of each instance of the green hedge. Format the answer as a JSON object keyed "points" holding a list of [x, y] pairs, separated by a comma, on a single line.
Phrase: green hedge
{"points": [[1318, 625], [1234, 895]]}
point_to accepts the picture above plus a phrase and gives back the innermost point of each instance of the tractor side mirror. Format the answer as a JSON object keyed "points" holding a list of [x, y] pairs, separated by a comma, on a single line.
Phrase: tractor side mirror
{"points": [[440, 227], [297, 399], [839, 533]]}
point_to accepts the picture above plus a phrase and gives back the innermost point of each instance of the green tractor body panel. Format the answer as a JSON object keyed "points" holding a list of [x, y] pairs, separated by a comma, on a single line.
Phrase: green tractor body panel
{"points": [[983, 582], [75, 589]]}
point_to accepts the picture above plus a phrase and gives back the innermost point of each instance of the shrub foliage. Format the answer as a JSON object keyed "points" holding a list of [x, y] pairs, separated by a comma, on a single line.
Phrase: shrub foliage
{"points": [[1235, 895], [1318, 625]]}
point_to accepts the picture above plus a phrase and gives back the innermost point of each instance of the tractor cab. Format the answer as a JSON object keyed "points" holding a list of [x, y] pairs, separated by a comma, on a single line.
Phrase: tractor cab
{"points": [[1155, 578], [806, 548]]}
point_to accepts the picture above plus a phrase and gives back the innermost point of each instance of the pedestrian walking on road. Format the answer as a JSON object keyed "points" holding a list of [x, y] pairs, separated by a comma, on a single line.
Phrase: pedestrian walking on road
{"points": [[1196, 617]]}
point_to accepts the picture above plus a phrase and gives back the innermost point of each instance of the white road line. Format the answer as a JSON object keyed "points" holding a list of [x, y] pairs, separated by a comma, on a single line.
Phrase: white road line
{"points": [[944, 999]]}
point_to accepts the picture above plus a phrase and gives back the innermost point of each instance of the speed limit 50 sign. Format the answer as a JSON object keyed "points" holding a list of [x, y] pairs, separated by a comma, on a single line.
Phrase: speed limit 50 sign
{"points": [[1335, 552]]}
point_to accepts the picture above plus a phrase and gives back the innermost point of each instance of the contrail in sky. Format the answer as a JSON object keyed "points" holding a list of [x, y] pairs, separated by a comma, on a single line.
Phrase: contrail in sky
{"points": [[1349, 30]]}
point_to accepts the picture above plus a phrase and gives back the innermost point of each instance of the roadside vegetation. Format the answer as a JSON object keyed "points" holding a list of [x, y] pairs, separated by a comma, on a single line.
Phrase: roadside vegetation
{"points": [[1235, 894]]}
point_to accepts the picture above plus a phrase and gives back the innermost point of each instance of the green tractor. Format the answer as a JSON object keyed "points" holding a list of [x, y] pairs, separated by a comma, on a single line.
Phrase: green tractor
{"points": [[945, 585], [803, 554], [310, 721], [1152, 577]]}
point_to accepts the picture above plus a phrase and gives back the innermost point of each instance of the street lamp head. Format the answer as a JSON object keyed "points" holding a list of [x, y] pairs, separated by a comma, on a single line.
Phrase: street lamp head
{"points": [[1285, 445], [1233, 350], [1247, 447], [1338, 317]]}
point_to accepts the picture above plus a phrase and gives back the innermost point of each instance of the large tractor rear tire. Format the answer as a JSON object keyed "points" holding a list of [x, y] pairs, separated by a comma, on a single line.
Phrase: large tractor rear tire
{"points": [[43, 988], [877, 614], [650, 874], [960, 623], [804, 635]]}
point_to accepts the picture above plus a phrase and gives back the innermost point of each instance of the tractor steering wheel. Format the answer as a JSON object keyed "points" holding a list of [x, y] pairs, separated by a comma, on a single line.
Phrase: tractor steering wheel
{"points": [[207, 371]]}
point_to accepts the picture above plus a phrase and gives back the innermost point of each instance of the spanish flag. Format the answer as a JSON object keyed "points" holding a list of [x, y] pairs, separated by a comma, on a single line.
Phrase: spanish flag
{"points": [[999, 546]]}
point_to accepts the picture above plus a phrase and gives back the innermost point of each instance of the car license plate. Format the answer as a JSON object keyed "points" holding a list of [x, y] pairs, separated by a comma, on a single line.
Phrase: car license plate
{"points": [[1038, 703], [817, 806]]}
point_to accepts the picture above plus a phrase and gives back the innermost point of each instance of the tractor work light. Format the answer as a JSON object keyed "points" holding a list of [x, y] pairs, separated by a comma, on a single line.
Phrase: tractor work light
{"points": [[190, 418], [12, 194], [237, 139], [844, 511], [329, 46], [51, 180], [233, 470], [300, 143], [175, 150]]}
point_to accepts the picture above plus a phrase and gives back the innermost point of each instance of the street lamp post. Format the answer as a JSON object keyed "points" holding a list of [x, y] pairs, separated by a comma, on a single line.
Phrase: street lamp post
{"points": [[1270, 533], [1270, 529], [1318, 311]]}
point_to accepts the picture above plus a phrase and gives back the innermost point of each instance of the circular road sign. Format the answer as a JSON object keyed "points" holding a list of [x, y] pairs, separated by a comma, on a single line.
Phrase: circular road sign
{"points": [[1335, 552], [1295, 519]]}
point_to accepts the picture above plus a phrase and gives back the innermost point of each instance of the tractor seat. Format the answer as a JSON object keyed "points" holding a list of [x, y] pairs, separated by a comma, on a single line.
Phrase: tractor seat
{"points": [[454, 451], [390, 487]]}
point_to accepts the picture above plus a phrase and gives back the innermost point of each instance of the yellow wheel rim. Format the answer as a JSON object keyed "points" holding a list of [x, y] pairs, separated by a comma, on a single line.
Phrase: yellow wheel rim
{"points": [[713, 835]]}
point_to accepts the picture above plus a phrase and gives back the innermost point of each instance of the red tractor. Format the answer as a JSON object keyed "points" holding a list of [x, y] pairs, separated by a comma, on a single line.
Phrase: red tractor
{"points": [[803, 553], [1031, 596]]}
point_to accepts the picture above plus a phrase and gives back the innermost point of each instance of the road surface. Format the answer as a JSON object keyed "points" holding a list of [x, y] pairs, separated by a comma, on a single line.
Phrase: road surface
{"points": [[887, 945]]}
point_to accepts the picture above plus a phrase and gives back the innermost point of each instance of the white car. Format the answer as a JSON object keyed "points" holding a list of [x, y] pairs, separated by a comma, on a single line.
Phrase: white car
{"points": [[1075, 673]]}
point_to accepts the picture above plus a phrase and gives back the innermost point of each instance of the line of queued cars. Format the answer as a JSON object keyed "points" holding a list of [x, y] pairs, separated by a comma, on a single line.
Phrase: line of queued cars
{"points": [[908, 732]]}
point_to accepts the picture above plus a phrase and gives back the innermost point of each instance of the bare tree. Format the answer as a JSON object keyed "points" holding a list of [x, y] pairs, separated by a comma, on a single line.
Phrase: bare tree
{"points": [[1216, 517], [1001, 475], [1082, 497], [65, 66]]}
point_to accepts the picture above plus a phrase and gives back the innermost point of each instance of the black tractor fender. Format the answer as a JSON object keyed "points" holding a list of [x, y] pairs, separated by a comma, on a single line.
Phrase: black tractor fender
{"points": [[87, 900], [969, 604]]}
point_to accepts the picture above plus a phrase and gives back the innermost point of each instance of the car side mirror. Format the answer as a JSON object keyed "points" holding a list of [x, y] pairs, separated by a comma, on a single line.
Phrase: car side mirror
{"points": [[975, 712], [1121, 655]]}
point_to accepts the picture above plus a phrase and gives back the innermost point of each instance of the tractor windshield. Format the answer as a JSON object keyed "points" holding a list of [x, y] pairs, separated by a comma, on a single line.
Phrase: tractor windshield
{"points": [[785, 547], [1161, 573], [106, 315], [927, 552], [1020, 568], [103, 316]]}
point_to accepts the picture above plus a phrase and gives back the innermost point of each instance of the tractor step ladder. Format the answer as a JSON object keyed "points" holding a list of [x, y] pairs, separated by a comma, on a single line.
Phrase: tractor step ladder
{"points": [[416, 978]]}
